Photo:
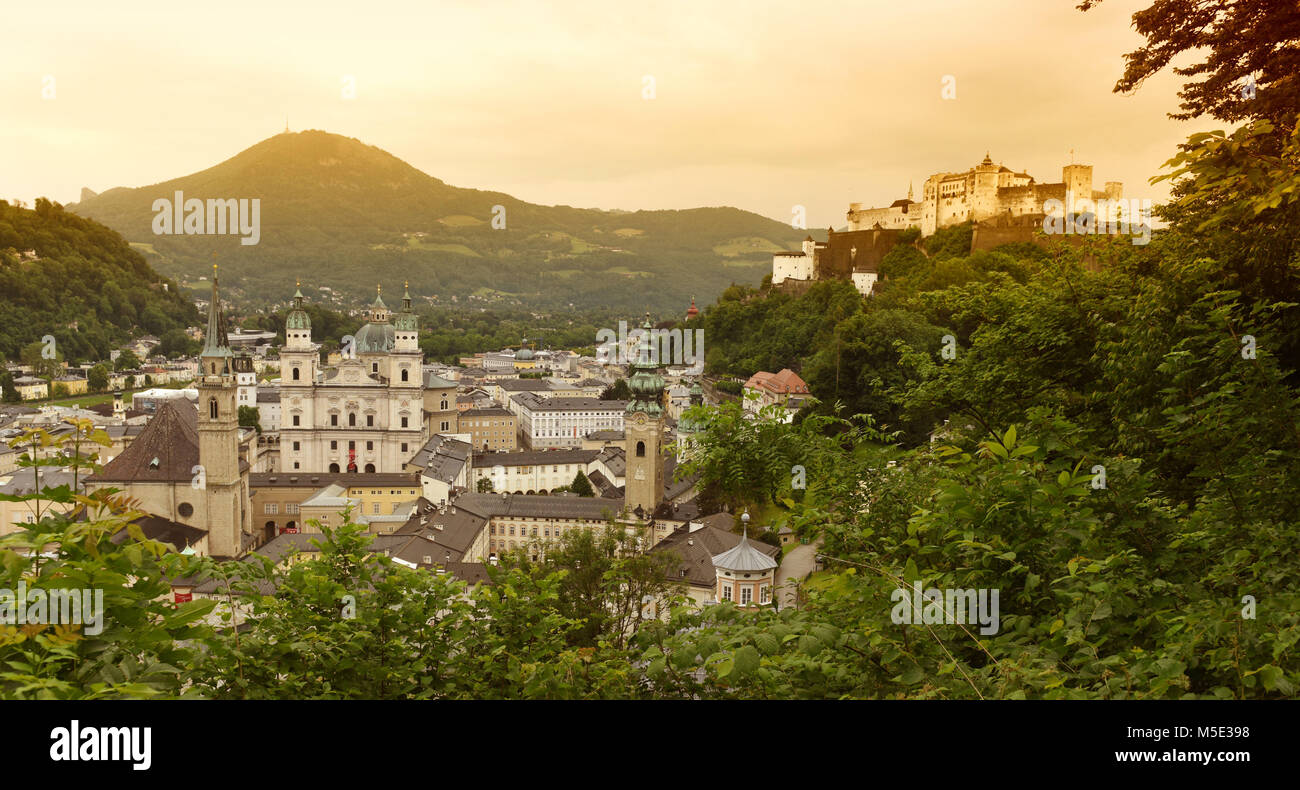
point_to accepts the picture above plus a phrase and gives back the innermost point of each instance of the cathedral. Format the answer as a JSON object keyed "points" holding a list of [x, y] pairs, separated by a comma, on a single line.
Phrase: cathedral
{"points": [[366, 414], [185, 466]]}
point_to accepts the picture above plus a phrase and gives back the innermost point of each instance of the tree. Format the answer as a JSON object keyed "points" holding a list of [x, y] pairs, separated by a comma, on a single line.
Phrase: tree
{"points": [[176, 343], [97, 378], [1249, 68], [485, 486], [581, 485], [127, 360], [617, 391], [250, 417], [45, 365]]}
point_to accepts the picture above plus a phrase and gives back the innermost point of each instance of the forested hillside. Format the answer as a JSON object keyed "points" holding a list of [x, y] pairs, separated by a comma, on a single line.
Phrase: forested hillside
{"points": [[84, 285]]}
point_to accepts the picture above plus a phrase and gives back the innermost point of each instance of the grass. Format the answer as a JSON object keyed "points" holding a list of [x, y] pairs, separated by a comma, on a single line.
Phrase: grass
{"points": [[459, 249], [461, 221], [746, 245], [94, 399], [628, 233]]}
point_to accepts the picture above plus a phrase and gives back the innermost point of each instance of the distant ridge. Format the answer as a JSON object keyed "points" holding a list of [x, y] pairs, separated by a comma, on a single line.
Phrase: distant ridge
{"points": [[337, 212]]}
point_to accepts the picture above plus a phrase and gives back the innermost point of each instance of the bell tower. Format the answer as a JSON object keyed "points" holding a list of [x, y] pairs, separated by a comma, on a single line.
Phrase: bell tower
{"points": [[643, 429], [219, 476]]}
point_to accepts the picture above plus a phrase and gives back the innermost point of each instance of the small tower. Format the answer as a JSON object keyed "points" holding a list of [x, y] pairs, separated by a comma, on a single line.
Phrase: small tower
{"points": [[298, 358], [692, 311], [745, 575], [218, 428], [643, 430], [404, 367]]}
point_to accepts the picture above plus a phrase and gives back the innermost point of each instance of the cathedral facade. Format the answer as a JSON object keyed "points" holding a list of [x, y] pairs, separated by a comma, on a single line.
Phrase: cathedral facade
{"points": [[366, 414]]}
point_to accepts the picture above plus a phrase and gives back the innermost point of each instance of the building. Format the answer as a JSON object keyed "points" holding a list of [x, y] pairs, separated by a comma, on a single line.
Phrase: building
{"points": [[268, 409], [367, 414], [16, 515], [440, 412], [278, 498], [444, 466], [643, 431], [746, 575], [31, 388], [559, 422], [984, 192], [149, 400], [186, 465], [490, 429], [784, 389], [531, 471], [696, 544], [1004, 205]]}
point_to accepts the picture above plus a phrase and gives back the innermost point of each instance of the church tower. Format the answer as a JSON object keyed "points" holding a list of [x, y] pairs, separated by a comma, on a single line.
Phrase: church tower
{"points": [[643, 430], [218, 427]]}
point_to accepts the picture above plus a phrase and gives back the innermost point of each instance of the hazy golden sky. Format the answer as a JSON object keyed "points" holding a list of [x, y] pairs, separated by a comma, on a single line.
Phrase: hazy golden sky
{"points": [[760, 105]]}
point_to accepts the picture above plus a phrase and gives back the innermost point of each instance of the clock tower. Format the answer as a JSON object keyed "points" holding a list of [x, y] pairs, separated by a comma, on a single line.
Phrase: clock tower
{"points": [[643, 430]]}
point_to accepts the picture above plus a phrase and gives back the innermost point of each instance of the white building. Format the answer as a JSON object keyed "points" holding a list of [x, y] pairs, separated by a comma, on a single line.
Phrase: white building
{"points": [[366, 414], [547, 423]]}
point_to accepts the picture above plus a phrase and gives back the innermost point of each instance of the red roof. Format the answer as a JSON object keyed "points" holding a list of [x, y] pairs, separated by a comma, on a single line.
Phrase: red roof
{"points": [[787, 382]]}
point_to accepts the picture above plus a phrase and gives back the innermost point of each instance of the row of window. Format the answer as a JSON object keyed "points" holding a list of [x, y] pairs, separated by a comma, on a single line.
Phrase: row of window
{"points": [[747, 593], [273, 508]]}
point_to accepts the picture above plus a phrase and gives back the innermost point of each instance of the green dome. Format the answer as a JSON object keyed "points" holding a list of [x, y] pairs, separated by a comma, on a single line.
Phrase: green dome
{"points": [[375, 339], [524, 354], [297, 318]]}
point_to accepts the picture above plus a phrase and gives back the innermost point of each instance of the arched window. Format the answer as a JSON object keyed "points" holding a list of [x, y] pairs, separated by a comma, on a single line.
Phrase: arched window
{"points": [[334, 468], [405, 377], [212, 408], [370, 467], [295, 374], [444, 404], [352, 420], [640, 449]]}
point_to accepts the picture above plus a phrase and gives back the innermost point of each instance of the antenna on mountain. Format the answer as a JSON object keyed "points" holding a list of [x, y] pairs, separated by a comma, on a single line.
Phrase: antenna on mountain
{"points": [[286, 124]]}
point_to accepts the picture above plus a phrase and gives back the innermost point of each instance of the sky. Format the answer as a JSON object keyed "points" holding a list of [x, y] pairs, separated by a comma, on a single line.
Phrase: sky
{"points": [[630, 105]]}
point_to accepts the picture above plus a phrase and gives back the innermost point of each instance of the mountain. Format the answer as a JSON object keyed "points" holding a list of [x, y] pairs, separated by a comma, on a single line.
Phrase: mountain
{"points": [[75, 279], [340, 214]]}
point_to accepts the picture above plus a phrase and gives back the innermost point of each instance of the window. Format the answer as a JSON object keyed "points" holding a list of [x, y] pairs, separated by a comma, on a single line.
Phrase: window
{"points": [[765, 594], [403, 446], [640, 449], [726, 592], [374, 367], [370, 420], [352, 420], [404, 422], [334, 419], [405, 376], [375, 509], [295, 374], [746, 593], [444, 404], [271, 508], [295, 420], [212, 408], [291, 508], [370, 445], [295, 447], [334, 445], [352, 445], [446, 426]]}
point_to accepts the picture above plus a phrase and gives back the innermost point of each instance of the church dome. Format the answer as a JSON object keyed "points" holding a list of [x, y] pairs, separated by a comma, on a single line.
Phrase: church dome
{"points": [[297, 318], [524, 354], [375, 338]]}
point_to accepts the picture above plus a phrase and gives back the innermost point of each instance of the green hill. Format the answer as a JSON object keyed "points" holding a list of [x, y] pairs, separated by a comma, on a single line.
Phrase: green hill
{"points": [[338, 213], [75, 279]]}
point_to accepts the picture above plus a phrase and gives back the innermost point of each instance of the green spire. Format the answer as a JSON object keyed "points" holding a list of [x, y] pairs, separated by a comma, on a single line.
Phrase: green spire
{"points": [[645, 382], [215, 341]]}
